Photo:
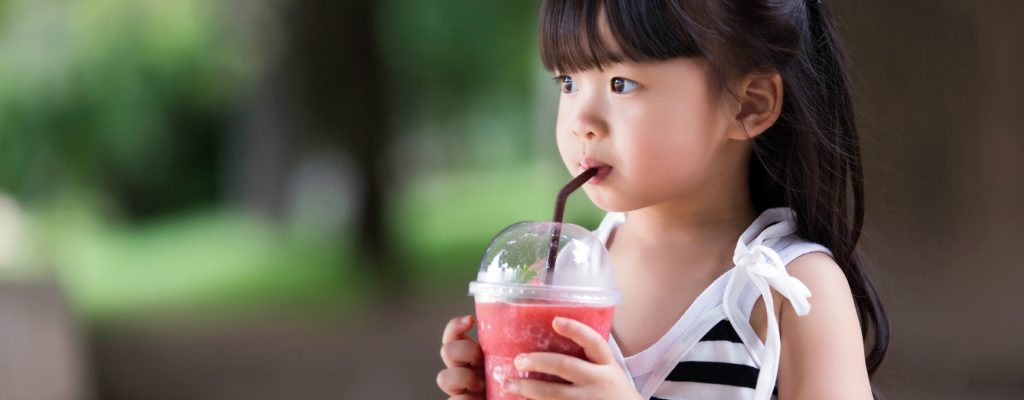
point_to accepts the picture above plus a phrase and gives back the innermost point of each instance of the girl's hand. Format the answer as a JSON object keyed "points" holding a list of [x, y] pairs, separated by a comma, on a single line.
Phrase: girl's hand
{"points": [[464, 359], [599, 378]]}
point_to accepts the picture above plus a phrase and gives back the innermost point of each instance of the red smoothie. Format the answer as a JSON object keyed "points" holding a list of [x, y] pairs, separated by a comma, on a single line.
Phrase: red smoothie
{"points": [[506, 330]]}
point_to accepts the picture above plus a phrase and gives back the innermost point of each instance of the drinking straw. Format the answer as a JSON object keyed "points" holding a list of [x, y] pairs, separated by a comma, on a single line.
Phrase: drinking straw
{"points": [[560, 214]]}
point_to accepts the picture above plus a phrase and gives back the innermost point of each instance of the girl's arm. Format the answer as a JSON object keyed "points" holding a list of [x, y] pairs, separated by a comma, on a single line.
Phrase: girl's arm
{"points": [[823, 351]]}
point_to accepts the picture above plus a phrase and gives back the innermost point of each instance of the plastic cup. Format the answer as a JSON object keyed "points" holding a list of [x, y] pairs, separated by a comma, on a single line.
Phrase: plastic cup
{"points": [[517, 297]]}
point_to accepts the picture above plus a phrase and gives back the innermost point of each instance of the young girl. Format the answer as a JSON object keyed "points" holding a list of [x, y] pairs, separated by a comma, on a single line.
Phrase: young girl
{"points": [[731, 173]]}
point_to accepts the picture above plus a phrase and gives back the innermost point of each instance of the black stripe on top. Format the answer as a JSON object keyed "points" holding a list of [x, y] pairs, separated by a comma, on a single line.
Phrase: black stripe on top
{"points": [[723, 330], [718, 373], [714, 372]]}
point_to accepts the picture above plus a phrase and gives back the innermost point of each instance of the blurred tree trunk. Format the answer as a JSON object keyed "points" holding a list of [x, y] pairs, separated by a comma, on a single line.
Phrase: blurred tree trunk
{"points": [[328, 91]]}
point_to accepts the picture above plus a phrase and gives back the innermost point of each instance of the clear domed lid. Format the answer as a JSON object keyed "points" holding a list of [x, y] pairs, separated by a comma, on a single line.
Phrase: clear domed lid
{"points": [[515, 266]]}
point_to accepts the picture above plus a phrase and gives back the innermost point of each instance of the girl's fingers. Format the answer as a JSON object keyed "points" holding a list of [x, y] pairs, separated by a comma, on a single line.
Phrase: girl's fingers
{"points": [[540, 390], [461, 353], [596, 347], [457, 327], [566, 367], [458, 353], [456, 381]]}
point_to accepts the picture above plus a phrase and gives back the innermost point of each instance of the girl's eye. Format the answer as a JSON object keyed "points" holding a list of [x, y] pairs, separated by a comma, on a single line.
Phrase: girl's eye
{"points": [[623, 85], [566, 83]]}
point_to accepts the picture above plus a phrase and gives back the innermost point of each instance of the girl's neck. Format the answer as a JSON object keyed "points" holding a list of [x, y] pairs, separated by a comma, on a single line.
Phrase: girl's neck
{"points": [[687, 223], [715, 214]]}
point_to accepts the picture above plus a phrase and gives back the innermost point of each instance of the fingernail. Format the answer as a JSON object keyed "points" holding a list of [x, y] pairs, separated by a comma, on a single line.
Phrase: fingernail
{"points": [[465, 320], [561, 321], [511, 386], [520, 361]]}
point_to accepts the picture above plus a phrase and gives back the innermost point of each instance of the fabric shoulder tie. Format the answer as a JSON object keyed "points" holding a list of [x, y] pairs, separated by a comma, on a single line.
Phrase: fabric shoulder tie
{"points": [[761, 265]]}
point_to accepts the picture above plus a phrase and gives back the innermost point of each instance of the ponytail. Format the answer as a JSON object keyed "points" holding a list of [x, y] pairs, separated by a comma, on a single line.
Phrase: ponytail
{"points": [[836, 120]]}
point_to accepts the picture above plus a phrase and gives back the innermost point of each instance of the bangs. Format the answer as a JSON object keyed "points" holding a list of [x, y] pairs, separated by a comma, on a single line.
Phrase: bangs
{"points": [[572, 38]]}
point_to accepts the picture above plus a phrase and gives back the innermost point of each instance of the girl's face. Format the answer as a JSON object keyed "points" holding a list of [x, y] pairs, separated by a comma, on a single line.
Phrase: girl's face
{"points": [[654, 129]]}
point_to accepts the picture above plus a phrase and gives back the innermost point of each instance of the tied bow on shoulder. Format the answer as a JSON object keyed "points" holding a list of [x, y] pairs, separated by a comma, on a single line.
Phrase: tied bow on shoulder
{"points": [[764, 266], [761, 265]]}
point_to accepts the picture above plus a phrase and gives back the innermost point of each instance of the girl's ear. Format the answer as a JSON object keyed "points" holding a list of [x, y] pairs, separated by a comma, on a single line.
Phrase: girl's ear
{"points": [[760, 95]]}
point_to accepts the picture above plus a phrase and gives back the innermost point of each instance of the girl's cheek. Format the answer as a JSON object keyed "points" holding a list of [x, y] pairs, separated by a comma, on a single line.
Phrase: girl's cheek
{"points": [[565, 147]]}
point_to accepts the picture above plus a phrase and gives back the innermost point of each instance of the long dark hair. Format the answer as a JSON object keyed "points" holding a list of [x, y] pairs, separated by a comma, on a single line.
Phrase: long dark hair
{"points": [[809, 160]]}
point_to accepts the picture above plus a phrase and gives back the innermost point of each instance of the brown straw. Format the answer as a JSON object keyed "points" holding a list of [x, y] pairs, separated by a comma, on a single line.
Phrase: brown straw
{"points": [[560, 214]]}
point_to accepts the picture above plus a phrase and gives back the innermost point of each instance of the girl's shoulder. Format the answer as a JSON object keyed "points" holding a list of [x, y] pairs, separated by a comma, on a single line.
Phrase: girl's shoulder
{"points": [[776, 228]]}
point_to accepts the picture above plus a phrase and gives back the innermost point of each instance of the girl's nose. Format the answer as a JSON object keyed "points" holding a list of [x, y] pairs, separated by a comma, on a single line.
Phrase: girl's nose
{"points": [[589, 126]]}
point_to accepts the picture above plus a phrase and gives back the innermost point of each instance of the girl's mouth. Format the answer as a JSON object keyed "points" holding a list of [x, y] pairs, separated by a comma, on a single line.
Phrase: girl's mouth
{"points": [[602, 169]]}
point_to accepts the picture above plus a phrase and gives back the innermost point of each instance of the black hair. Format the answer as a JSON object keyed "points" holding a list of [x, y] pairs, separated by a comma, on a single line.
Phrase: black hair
{"points": [[809, 160]]}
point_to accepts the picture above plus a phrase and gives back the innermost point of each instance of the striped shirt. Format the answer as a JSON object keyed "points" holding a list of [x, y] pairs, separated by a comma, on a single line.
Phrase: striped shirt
{"points": [[712, 352]]}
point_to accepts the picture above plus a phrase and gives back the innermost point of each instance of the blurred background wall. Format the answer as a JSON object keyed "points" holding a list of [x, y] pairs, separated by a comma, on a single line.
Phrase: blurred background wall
{"points": [[286, 199]]}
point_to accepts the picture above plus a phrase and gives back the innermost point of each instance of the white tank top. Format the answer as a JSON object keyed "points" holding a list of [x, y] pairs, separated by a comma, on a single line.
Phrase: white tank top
{"points": [[712, 352]]}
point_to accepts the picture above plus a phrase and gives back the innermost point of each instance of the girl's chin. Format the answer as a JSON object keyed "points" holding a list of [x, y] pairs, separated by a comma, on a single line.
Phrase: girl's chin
{"points": [[605, 199]]}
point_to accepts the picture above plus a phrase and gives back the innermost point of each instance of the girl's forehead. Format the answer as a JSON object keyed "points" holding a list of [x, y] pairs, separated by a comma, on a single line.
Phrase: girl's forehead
{"points": [[672, 67], [578, 36], [608, 45], [605, 36]]}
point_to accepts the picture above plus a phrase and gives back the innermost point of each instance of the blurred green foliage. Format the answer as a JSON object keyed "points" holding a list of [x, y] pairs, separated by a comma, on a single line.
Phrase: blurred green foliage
{"points": [[203, 263], [448, 55], [464, 74], [131, 95], [116, 119]]}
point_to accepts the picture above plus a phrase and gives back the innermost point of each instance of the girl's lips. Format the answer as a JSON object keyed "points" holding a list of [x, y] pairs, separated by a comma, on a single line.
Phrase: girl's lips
{"points": [[602, 169], [602, 173]]}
